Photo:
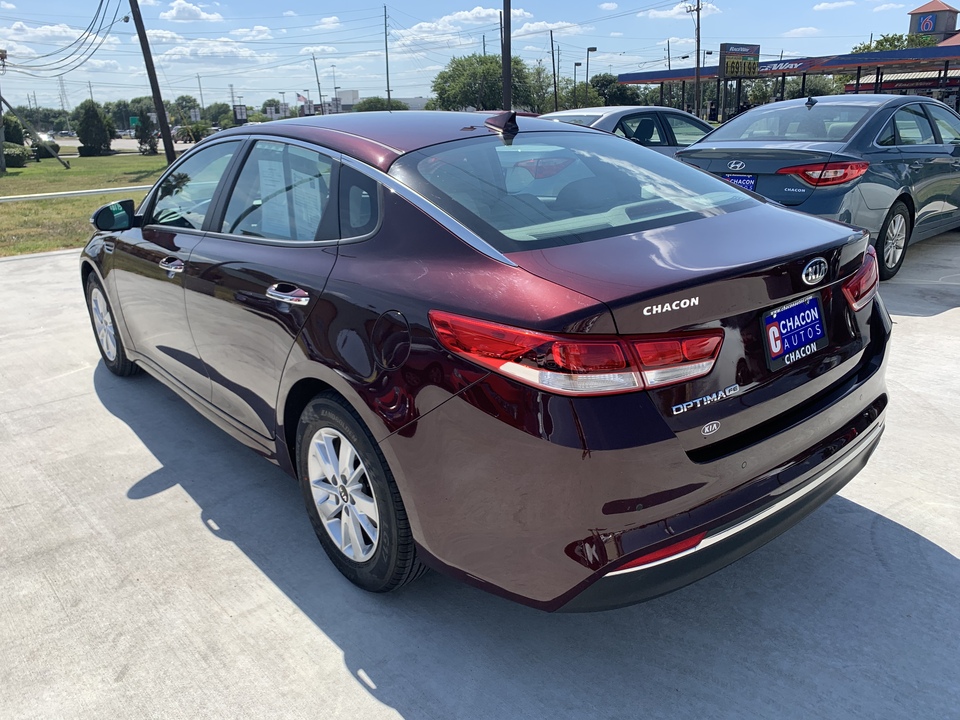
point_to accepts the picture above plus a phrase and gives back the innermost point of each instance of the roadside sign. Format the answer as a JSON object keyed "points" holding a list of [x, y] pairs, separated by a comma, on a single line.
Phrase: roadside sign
{"points": [[738, 60]]}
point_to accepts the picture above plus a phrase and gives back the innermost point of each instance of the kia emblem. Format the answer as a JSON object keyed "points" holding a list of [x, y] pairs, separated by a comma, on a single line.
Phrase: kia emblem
{"points": [[710, 428], [736, 165], [815, 271]]}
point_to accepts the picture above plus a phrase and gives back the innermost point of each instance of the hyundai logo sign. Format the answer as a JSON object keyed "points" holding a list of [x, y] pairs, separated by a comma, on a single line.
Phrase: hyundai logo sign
{"points": [[736, 165], [815, 271]]}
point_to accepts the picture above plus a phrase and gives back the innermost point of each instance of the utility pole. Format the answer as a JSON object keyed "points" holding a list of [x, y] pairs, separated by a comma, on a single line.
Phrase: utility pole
{"points": [[553, 62], [696, 78], [233, 100], [200, 87], [485, 43], [90, 88], [505, 59], [335, 97], [3, 158], [319, 91], [386, 56], [154, 85]]}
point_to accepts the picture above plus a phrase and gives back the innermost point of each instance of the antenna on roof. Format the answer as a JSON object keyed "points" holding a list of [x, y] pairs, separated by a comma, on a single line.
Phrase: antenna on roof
{"points": [[811, 101], [504, 123]]}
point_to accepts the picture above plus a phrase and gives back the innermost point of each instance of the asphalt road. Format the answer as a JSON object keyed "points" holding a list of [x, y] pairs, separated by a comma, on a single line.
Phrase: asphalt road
{"points": [[150, 566]]}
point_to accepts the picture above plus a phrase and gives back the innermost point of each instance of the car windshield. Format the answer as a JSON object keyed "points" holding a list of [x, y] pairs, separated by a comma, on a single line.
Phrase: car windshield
{"points": [[548, 188], [823, 122]]}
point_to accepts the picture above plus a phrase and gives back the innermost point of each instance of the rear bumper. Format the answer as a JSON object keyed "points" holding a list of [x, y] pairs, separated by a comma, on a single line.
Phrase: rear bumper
{"points": [[732, 541]]}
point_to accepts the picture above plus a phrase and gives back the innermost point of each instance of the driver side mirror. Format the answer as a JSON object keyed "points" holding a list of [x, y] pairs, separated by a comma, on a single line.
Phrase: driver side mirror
{"points": [[115, 216]]}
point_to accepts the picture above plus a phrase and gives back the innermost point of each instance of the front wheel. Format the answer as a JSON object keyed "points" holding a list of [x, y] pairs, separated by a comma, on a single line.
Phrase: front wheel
{"points": [[893, 240], [352, 499], [104, 329]]}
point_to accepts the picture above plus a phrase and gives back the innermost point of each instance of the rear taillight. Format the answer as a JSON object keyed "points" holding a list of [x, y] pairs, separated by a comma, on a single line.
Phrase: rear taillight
{"points": [[861, 288], [663, 553], [824, 174], [579, 365], [545, 167]]}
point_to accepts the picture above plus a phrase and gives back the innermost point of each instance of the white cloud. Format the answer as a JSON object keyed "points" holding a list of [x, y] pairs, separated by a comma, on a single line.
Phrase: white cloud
{"points": [[616, 34], [7, 6], [111, 65], [318, 49], [888, 6], [160, 37], [559, 28], [289, 13], [182, 11], [213, 48], [608, 6], [678, 41], [149, 3], [447, 30], [46, 34], [257, 32], [833, 5], [329, 23], [802, 32], [679, 11]]}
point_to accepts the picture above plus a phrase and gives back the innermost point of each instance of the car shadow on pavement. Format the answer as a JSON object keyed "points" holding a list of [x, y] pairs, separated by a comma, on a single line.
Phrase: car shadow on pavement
{"points": [[847, 615], [929, 280]]}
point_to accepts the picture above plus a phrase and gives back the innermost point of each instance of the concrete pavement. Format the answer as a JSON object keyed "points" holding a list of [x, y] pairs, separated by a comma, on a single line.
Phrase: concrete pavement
{"points": [[151, 567]]}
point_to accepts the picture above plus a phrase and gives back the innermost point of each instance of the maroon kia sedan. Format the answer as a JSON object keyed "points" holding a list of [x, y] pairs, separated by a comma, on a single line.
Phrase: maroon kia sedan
{"points": [[555, 365]]}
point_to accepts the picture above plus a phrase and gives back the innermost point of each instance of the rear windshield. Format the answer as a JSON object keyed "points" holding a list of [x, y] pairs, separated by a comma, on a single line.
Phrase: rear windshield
{"points": [[557, 188], [824, 122]]}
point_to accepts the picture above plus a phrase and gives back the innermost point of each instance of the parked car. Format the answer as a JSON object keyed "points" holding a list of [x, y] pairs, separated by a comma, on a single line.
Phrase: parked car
{"points": [[663, 129], [548, 362], [887, 163]]}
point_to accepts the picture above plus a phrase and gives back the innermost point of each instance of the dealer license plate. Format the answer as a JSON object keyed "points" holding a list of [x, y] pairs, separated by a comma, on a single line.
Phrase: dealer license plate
{"points": [[794, 331], [747, 182]]}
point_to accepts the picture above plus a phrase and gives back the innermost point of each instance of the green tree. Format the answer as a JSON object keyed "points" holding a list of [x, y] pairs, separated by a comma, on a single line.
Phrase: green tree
{"points": [[12, 130], [371, 104], [540, 90], [895, 41], [119, 112], [146, 135], [475, 81], [213, 111], [182, 107], [816, 85], [581, 95], [272, 102], [93, 128], [613, 93]]}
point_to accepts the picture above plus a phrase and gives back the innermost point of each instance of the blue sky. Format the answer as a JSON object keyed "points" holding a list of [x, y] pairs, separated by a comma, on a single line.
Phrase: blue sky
{"points": [[264, 48]]}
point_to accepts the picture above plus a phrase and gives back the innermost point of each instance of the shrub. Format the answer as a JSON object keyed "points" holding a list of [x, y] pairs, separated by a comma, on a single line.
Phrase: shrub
{"points": [[47, 149], [88, 151], [16, 156], [146, 139], [12, 130]]}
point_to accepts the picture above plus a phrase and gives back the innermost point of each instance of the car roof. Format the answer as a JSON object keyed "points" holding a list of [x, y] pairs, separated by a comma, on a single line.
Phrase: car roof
{"points": [[868, 100], [379, 138]]}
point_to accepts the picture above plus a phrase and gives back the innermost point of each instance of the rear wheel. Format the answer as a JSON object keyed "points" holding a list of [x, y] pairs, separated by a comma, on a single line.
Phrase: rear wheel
{"points": [[352, 499], [893, 239], [104, 329]]}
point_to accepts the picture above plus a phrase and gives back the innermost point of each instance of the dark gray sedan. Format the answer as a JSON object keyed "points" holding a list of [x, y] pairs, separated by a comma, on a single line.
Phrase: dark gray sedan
{"points": [[887, 163], [659, 128]]}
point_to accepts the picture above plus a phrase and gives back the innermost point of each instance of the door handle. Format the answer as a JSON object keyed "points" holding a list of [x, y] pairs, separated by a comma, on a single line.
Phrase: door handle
{"points": [[285, 292], [916, 165], [172, 264]]}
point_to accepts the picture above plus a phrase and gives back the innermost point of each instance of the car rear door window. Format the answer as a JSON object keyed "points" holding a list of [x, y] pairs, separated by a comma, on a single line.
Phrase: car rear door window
{"points": [[913, 127], [359, 204], [947, 123], [644, 129], [282, 193], [685, 131], [185, 194]]}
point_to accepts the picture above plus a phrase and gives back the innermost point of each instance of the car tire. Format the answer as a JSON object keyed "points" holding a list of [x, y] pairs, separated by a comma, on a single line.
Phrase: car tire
{"points": [[105, 330], [352, 499], [893, 240]]}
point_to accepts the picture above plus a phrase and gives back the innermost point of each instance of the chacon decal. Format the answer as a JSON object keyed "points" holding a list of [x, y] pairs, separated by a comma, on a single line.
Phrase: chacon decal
{"points": [[670, 306]]}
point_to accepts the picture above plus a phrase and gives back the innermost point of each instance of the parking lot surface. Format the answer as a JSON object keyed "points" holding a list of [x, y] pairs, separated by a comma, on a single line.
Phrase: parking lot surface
{"points": [[150, 566]]}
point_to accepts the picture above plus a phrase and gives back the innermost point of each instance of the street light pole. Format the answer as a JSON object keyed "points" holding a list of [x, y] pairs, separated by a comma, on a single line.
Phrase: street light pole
{"points": [[333, 100], [586, 76], [575, 101]]}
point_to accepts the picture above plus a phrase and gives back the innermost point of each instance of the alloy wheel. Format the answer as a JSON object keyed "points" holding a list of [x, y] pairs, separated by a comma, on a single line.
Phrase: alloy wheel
{"points": [[343, 494], [895, 240], [103, 324]]}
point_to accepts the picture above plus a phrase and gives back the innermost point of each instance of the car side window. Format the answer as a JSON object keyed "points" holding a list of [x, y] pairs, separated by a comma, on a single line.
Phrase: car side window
{"points": [[887, 136], [359, 203], [684, 131], [184, 195], [913, 127], [282, 193], [947, 123], [642, 129]]}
